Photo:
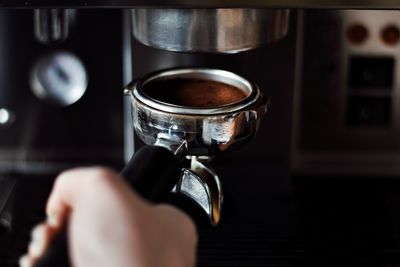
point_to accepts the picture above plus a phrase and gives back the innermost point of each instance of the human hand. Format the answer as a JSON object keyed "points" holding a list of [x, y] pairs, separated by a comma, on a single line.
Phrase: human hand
{"points": [[110, 225]]}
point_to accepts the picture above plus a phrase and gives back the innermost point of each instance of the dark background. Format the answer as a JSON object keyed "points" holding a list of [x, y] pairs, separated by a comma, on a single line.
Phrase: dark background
{"points": [[271, 218]]}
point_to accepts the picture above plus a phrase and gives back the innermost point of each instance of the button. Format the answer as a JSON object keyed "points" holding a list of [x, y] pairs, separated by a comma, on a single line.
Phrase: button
{"points": [[357, 34], [390, 35]]}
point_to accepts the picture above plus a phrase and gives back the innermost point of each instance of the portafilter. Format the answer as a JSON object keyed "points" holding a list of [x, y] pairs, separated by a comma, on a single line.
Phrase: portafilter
{"points": [[196, 113], [185, 117]]}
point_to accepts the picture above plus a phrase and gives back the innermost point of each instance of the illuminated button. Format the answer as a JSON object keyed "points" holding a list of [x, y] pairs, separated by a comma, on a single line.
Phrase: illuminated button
{"points": [[357, 34]]}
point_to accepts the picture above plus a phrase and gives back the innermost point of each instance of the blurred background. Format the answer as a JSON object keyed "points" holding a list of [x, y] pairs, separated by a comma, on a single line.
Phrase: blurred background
{"points": [[318, 186]]}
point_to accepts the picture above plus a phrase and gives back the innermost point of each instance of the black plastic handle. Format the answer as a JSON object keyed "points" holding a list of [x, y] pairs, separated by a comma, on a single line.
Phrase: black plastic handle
{"points": [[153, 171]]}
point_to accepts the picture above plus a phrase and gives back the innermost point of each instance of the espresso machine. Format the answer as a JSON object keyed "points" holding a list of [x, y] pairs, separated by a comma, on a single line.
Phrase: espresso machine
{"points": [[316, 186]]}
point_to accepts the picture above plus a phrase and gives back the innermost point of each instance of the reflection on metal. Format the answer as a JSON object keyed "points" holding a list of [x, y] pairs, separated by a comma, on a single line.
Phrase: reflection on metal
{"points": [[384, 4], [176, 145], [127, 77], [206, 130], [202, 185], [209, 30], [7, 117], [51, 25], [198, 133], [60, 78]]}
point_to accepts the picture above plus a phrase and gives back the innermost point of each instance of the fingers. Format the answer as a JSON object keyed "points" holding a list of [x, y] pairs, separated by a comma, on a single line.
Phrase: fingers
{"points": [[70, 187], [67, 191], [26, 261], [186, 224], [181, 233], [41, 237]]}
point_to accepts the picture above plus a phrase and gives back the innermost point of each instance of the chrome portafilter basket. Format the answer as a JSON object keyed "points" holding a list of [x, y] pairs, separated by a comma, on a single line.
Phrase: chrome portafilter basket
{"points": [[196, 134]]}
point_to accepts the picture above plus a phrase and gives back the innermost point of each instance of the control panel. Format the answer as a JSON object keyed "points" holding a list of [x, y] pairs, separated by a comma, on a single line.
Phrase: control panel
{"points": [[346, 103]]}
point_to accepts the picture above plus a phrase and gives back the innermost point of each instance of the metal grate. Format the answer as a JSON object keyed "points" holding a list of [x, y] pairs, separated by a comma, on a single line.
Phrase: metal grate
{"points": [[325, 222]]}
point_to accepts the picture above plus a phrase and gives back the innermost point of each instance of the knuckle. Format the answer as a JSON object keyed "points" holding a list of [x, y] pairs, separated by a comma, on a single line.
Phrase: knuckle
{"points": [[61, 178], [100, 175], [103, 172], [87, 176]]}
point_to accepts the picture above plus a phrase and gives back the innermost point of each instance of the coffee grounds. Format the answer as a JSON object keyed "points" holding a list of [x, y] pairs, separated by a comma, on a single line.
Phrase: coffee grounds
{"points": [[194, 93]]}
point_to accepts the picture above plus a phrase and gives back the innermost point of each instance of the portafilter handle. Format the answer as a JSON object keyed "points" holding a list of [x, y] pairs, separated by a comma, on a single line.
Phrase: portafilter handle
{"points": [[201, 184], [153, 172]]}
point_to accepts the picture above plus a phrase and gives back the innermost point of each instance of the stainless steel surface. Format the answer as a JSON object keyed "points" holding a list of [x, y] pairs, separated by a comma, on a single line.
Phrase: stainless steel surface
{"points": [[51, 25], [60, 78], [209, 30], [127, 75], [206, 131], [200, 183], [176, 145], [197, 132], [384, 4]]}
